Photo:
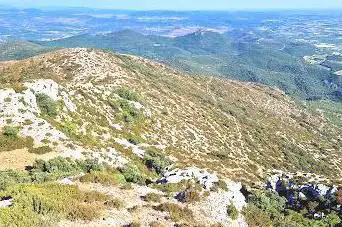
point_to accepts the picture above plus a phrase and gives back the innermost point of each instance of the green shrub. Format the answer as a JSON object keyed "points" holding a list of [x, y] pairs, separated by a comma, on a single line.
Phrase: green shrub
{"points": [[105, 178], [156, 161], [189, 195], [35, 202], [223, 185], [232, 212], [177, 213], [9, 143], [11, 177], [7, 99], [18, 87], [129, 114], [127, 94], [256, 217], [46, 105], [67, 166], [114, 203], [132, 174], [40, 150], [152, 197], [11, 132], [270, 202]]}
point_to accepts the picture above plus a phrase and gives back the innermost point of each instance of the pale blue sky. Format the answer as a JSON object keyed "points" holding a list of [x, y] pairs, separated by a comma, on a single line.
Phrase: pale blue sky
{"points": [[180, 4]]}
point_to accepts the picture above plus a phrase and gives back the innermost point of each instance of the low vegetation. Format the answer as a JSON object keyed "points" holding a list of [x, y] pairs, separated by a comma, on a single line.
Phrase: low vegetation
{"points": [[10, 140], [156, 161], [128, 94], [46, 105], [132, 174], [232, 212], [40, 150], [38, 201], [177, 213], [104, 177], [267, 208], [152, 197]]}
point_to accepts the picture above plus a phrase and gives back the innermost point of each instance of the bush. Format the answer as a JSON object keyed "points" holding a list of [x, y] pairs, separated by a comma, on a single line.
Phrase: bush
{"points": [[66, 166], [256, 217], [105, 178], [9, 143], [129, 113], [114, 203], [232, 212], [153, 197], [338, 196], [50, 199], [40, 150], [127, 94], [270, 202], [188, 196], [223, 185], [10, 131], [156, 161], [11, 177], [18, 87], [46, 105], [132, 174], [177, 213]]}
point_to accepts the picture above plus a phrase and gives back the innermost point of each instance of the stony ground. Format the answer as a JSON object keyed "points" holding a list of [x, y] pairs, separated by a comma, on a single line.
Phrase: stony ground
{"points": [[235, 130]]}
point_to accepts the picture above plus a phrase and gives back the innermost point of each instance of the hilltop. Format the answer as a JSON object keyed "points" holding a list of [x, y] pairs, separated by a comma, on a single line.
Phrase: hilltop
{"points": [[123, 110], [240, 129], [235, 55]]}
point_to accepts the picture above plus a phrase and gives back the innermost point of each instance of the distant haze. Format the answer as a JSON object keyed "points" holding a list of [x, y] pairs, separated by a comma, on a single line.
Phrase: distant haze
{"points": [[178, 4]]}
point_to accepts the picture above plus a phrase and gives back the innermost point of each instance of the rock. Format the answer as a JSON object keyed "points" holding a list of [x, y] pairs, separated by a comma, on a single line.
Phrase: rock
{"points": [[6, 202], [48, 87], [135, 148], [67, 181], [68, 103], [202, 176]]}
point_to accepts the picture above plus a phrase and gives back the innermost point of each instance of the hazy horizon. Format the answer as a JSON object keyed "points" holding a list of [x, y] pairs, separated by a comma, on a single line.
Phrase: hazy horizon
{"points": [[178, 5]]}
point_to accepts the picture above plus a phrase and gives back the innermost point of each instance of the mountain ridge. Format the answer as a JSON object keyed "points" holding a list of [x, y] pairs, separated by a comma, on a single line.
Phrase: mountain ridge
{"points": [[247, 128]]}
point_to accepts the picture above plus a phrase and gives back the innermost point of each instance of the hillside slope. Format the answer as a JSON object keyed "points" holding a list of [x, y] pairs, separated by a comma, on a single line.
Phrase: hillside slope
{"points": [[233, 55], [14, 50], [239, 130]]}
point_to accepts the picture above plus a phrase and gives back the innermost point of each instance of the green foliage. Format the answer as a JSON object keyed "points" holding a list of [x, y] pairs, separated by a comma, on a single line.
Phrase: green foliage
{"points": [[10, 177], [40, 150], [39, 201], [9, 143], [127, 94], [177, 213], [220, 184], [156, 161], [128, 113], [269, 208], [189, 195], [114, 203], [255, 217], [232, 212], [152, 197], [46, 105], [133, 174], [62, 167], [270, 202], [104, 177], [10, 131], [18, 87]]}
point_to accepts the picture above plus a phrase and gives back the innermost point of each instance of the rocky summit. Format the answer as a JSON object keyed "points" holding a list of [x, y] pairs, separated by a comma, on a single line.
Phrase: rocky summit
{"points": [[128, 141]]}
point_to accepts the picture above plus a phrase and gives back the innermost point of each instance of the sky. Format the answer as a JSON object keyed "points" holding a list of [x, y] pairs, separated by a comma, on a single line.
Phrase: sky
{"points": [[178, 4]]}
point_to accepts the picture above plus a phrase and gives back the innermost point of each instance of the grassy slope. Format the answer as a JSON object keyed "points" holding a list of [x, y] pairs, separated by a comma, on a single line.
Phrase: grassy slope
{"points": [[238, 129], [221, 55]]}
